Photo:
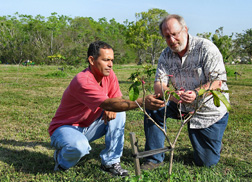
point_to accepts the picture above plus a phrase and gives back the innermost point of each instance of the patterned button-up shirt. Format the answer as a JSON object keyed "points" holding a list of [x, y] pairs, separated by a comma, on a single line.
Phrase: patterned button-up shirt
{"points": [[201, 63]]}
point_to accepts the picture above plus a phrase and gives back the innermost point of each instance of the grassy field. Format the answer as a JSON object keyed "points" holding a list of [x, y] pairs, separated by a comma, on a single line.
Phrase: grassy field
{"points": [[29, 97]]}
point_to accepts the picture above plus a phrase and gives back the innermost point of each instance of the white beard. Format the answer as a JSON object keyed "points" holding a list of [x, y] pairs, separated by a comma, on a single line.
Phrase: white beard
{"points": [[182, 45]]}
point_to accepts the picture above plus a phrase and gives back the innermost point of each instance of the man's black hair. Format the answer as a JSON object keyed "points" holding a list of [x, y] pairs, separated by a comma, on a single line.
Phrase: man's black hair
{"points": [[94, 48]]}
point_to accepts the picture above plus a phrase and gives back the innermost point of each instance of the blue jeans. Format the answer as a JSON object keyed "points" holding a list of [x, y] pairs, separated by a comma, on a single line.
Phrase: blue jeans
{"points": [[72, 142], [206, 142]]}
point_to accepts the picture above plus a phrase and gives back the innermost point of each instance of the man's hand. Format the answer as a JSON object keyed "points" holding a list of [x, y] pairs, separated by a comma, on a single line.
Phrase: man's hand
{"points": [[187, 97], [152, 103], [108, 115]]}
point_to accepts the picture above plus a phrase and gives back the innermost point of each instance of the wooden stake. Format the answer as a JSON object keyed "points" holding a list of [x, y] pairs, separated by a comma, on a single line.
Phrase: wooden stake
{"points": [[135, 152]]}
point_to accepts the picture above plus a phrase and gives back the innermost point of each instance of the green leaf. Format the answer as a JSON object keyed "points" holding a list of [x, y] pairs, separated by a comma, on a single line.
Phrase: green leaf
{"points": [[175, 95], [201, 91], [216, 101], [221, 97], [166, 93], [135, 84], [133, 93], [134, 75]]}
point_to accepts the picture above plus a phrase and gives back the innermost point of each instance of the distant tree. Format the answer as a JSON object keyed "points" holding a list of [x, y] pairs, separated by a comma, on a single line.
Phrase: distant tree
{"points": [[12, 39], [224, 43], [206, 35], [136, 38], [143, 35], [243, 44], [26, 38], [116, 33], [80, 33], [84, 30], [35, 48], [56, 24]]}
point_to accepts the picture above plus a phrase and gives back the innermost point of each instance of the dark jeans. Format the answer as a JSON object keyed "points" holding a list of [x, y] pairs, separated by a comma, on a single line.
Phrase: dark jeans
{"points": [[206, 142]]}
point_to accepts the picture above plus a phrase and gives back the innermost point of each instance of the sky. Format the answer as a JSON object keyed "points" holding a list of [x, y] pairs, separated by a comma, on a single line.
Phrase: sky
{"points": [[201, 16]]}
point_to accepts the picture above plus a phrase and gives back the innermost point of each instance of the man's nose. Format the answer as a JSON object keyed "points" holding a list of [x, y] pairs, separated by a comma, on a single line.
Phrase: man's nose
{"points": [[110, 63], [172, 39]]}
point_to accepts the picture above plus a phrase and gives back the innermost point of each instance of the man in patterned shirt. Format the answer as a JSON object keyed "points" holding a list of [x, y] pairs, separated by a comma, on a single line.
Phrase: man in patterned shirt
{"points": [[193, 62]]}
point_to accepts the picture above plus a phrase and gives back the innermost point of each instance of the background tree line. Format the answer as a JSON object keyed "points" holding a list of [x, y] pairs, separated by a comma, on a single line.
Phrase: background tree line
{"points": [[60, 39]]}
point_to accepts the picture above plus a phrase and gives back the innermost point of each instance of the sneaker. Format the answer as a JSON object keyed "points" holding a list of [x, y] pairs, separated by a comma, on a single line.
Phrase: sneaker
{"points": [[115, 169], [150, 165], [57, 167]]}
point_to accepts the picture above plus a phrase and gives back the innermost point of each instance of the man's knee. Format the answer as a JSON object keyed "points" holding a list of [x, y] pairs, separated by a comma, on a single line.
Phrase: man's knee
{"points": [[77, 149]]}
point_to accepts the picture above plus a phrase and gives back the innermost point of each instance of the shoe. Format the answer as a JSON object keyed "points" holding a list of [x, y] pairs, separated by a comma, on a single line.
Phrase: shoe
{"points": [[57, 167], [150, 165], [115, 169]]}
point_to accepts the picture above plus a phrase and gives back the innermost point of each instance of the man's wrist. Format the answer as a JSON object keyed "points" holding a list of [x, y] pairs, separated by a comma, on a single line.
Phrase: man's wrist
{"points": [[139, 101]]}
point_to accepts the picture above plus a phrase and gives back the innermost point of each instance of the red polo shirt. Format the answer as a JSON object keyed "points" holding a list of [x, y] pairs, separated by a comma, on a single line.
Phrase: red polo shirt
{"points": [[81, 100]]}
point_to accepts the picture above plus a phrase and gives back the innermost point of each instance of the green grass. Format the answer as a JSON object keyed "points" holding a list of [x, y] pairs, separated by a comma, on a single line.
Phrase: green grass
{"points": [[29, 97]]}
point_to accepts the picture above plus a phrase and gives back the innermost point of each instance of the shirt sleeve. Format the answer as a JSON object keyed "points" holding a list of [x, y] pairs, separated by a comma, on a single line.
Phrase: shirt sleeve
{"points": [[214, 67]]}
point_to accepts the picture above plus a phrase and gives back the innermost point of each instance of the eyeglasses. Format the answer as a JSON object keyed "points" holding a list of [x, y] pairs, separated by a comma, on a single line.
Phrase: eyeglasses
{"points": [[174, 35]]}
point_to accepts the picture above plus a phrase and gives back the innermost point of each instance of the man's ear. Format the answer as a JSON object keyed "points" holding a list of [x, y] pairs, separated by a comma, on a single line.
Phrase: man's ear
{"points": [[91, 60], [186, 28]]}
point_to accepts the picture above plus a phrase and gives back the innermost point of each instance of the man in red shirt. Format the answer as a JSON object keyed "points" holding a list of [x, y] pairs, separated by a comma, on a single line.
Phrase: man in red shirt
{"points": [[91, 107]]}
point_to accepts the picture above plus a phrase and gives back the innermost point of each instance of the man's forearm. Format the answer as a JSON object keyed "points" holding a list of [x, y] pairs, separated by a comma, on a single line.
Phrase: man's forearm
{"points": [[210, 85], [119, 104]]}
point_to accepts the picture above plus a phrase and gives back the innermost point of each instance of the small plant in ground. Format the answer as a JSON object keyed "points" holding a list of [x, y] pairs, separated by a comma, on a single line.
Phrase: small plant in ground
{"points": [[56, 59], [203, 96]]}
